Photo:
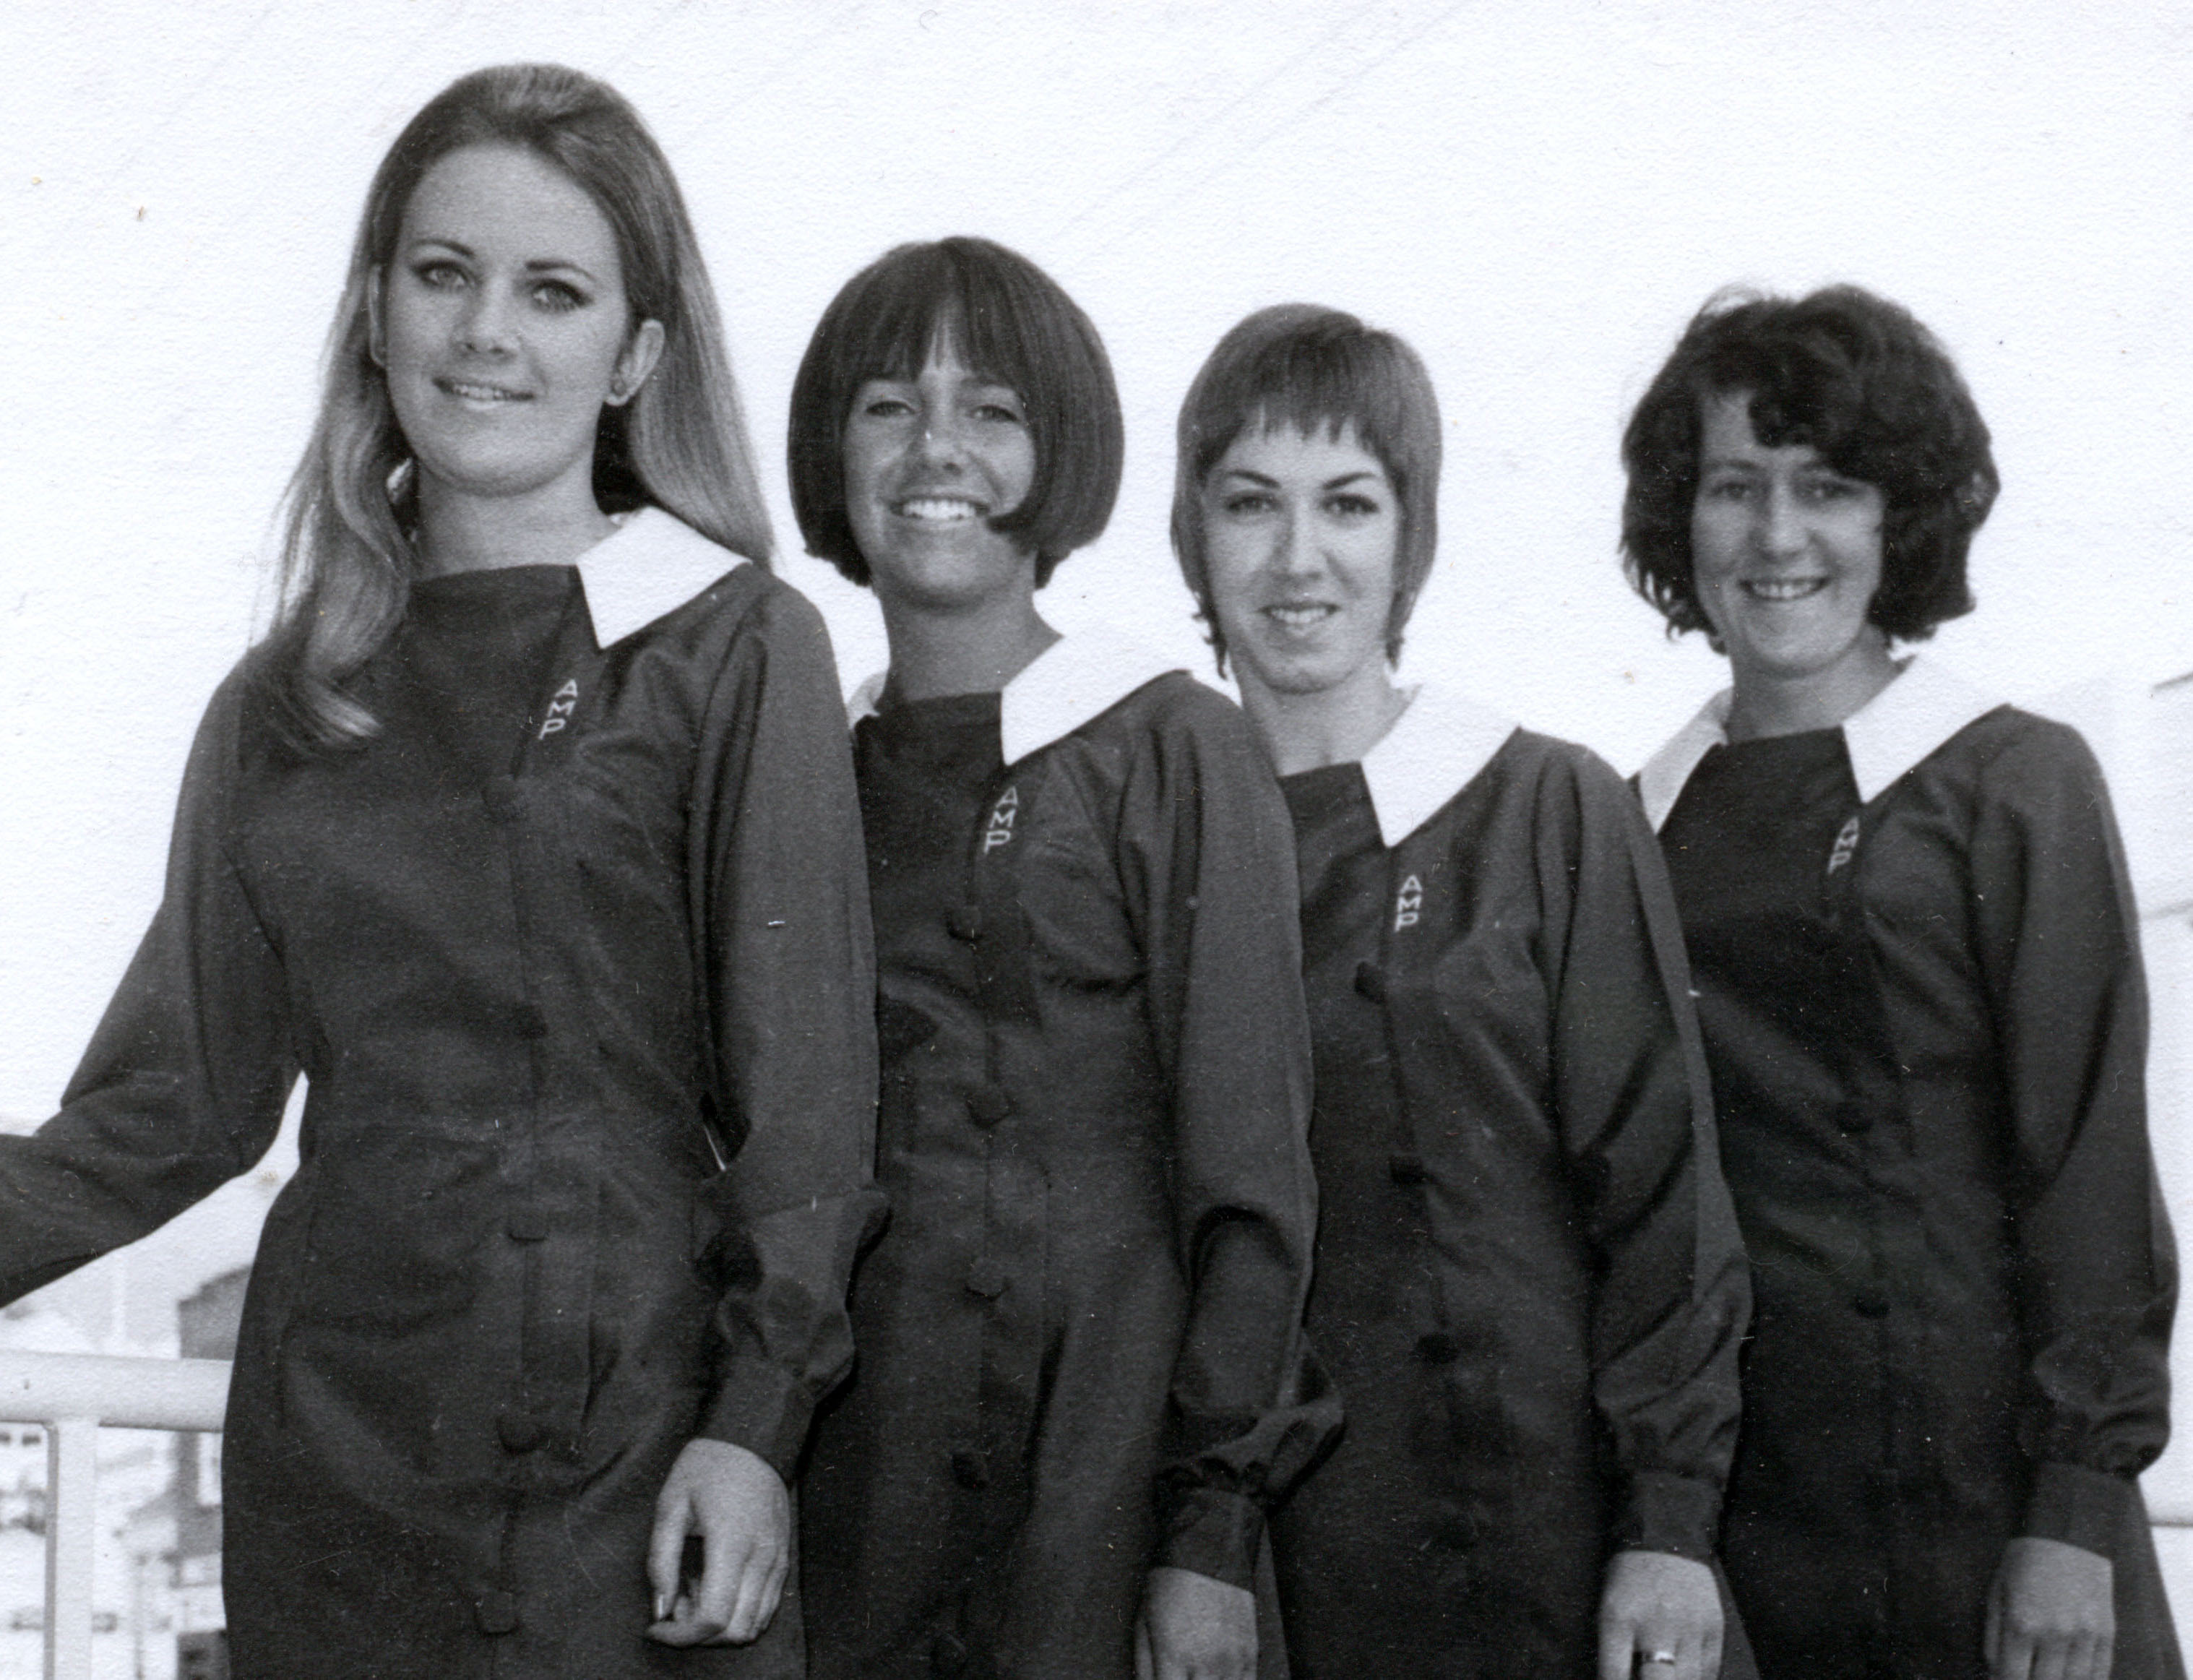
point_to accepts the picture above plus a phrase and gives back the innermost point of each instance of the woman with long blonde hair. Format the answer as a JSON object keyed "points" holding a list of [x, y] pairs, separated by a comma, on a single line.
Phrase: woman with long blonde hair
{"points": [[528, 836]]}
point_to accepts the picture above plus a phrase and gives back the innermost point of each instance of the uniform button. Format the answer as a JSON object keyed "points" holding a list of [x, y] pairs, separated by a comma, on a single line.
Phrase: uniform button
{"points": [[500, 795], [519, 1432], [965, 921], [948, 1655], [1438, 1349], [525, 1224], [969, 1470], [1407, 1169], [986, 1278], [529, 1023], [496, 1612], [987, 1105], [1870, 1304], [1454, 1534], [1370, 981]]}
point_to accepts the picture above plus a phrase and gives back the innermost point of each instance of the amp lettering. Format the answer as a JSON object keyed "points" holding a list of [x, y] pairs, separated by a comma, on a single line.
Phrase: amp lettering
{"points": [[1000, 831], [1409, 904], [1846, 847], [560, 708]]}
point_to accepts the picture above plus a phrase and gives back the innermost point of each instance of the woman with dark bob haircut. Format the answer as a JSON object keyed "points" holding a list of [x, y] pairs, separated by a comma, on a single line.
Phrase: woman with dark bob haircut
{"points": [[1529, 1289], [529, 837], [1915, 950], [1082, 1372]]}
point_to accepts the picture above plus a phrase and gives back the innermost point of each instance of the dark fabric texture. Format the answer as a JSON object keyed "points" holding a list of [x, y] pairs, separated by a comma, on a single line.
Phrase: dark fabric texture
{"points": [[1927, 1030], [569, 907], [1529, 1289], [1080, 1338]]}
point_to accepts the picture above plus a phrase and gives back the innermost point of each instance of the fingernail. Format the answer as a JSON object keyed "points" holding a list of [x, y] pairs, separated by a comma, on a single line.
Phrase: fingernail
{"points": [[662, 1605]]}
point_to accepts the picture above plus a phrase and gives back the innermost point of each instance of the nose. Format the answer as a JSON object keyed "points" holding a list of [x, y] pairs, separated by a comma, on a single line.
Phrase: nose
{"points": [[943, 441], [488, 324], [1782, 528], [1295, 551]]}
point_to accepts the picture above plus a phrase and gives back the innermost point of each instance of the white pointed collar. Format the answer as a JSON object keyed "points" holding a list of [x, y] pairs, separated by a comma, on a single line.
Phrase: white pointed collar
{"points": [[1058, 691], [1434, 750], [1922, 707], [651, 564]]}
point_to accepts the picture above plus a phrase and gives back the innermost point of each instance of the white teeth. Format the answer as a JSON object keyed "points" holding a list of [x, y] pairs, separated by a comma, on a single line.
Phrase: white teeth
{"points": [[480, 393], [1784, 588], [1298, 617], [944, 507]]}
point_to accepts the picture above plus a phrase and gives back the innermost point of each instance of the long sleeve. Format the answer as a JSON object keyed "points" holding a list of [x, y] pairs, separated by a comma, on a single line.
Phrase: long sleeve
{"points": [[183, 1083], [2059, 958], [791, 975], [1206, 845], [1634, 1109]]}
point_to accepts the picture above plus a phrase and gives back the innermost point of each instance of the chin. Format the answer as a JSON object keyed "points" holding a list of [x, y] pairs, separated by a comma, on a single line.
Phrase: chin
{"points": [[1297, 679]]}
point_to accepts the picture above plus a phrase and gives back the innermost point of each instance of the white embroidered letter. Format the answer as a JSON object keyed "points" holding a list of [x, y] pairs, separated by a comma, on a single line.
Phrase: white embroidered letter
{"points": [[1846, 847], [1000, 831], [560, 708], [1409, 902]]}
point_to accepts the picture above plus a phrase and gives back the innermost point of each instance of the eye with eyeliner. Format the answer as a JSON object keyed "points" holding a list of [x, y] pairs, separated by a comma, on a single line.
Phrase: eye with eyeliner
{"points": [[559, 297], [1244, 504], [440, 274]]}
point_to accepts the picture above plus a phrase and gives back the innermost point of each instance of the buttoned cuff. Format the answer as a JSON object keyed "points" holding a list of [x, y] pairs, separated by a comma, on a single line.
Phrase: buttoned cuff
{"points": [[762, 1408], [2080, 1507], [1214, 1533], [1671, 1513]]}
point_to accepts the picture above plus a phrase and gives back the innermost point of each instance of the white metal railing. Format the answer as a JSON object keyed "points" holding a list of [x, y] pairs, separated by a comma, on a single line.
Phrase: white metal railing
{"points": [[72, 1395]]}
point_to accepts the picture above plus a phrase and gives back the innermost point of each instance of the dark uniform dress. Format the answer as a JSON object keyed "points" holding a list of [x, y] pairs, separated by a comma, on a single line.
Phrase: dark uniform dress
{"points": [[1529, 1289], [1080, 1343], [574, 907], [1919, 978]]}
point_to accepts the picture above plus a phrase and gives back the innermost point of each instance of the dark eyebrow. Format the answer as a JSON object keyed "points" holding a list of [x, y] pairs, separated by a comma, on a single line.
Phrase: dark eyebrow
{"points": [[1253, 477], [1349, 478]]}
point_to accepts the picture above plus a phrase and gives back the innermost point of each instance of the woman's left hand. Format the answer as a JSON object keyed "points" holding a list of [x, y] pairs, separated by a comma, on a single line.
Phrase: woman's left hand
{"points": [[2051, 1612], [736, 1505], [1659, 1619], [1193, 1627]]}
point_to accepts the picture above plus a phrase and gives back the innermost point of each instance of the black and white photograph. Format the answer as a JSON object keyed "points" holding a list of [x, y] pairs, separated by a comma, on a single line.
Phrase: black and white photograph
{"points": [[1078, 841]]}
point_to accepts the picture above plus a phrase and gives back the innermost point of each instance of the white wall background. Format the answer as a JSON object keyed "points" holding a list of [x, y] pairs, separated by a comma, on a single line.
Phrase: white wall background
{"points": [[1537, 195]]}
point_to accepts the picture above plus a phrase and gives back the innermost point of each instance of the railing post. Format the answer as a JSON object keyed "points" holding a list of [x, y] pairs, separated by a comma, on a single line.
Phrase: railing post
{"points": [[72, 1544]]}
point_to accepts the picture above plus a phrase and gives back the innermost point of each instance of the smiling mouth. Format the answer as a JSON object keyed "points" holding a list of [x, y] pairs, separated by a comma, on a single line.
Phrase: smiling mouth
{"points": [[938, 509], [1778, 589], [468, 392], [1299, 614]]}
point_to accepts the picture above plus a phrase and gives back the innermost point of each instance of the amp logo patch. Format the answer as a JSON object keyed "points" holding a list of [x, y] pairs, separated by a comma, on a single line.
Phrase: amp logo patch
{"points": [[1846, 847], [566, 702], [1408, 905], [1000, 831]]}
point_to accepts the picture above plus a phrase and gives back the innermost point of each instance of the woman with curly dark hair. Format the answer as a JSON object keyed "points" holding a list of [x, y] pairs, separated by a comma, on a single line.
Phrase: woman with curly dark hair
{"points": [[1915, 950]]}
